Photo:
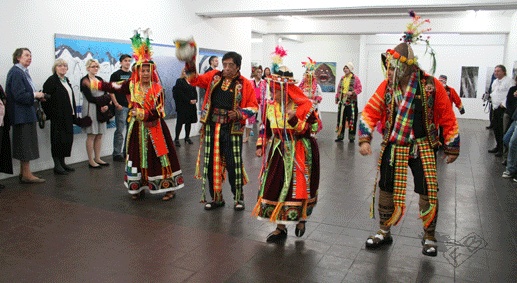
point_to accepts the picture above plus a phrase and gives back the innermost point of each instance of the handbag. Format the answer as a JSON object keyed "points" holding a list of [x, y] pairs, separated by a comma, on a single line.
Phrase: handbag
{"points": [[107, 115], [40, 114], [84, 122]]}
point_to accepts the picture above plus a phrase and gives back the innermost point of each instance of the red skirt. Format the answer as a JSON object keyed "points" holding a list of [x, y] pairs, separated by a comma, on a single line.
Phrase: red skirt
{"points": [[146, 170]]}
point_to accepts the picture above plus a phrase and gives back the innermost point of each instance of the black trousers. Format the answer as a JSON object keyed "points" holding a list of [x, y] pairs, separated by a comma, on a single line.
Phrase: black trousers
{"points": [[387, 173], [225, 146], [178, 130], [497, 123]]}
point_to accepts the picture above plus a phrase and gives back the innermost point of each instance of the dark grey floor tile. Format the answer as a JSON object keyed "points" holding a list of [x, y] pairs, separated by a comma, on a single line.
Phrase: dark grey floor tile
{"points": [[72, 229]]}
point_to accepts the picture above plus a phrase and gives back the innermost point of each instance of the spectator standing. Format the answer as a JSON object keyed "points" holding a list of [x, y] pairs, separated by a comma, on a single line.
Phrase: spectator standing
{"points": [[21, 95], [60, 109], [119, 100], [185, 97], [500, 87]]}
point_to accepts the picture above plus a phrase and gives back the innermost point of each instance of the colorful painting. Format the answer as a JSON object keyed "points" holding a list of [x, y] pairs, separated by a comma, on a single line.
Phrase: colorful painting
{"points": [[76, 50], [325, 73]]}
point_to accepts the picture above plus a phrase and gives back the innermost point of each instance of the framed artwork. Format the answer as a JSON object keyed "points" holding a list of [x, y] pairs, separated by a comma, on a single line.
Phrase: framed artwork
{"points": [[76, 50], [325, 74], [469, 81]]}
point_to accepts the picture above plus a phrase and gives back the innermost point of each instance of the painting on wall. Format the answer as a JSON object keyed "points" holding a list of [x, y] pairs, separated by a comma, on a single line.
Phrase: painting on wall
{"points": [[469, 81], [325, 74], [203, 65], [76, 50]]}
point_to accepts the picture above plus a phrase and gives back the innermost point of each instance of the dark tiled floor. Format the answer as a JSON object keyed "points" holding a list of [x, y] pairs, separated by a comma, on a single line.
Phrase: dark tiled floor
{"points": [[85, 228]]}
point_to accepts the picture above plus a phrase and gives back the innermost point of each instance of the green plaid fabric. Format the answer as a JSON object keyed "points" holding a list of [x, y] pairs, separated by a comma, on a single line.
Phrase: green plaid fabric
{"points": [[235, 143]]}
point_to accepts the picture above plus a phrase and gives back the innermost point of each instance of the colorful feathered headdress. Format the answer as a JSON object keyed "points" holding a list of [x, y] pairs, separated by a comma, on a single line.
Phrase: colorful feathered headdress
{"points": [[309, 66], [141, 44], [403, 53], [277, 58]]}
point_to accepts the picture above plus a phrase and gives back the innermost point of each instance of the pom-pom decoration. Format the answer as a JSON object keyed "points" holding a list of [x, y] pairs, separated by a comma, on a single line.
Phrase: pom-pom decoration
{"points": [[277, 58], [414, 29], [186, 49]]}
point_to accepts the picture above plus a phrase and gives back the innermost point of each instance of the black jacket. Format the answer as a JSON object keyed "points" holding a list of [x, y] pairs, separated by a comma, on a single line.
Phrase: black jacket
{"points": [[183, 92]]}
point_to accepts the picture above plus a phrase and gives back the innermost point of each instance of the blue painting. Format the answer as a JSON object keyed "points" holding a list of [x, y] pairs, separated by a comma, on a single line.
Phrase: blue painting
{"points": [[76, 50]]}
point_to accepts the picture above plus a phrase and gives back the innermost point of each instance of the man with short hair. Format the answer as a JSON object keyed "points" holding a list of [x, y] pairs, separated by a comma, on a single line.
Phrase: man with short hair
{"points": [[500, 87], [214, 63], [121, 108], [229, 100], [453, 97]]}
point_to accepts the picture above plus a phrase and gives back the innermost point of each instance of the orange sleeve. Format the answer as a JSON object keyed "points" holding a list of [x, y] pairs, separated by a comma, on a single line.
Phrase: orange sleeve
{"points": [[372, 113], [445, 117]]}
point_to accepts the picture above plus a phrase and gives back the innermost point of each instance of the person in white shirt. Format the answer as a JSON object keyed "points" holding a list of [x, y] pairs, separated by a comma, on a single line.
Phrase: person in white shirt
{"points": [[500, 87]]}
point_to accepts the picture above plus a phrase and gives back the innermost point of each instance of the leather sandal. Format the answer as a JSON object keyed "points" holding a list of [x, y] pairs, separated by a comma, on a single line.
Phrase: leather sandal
{"points": [[300, 231], [238, 206], [168, 196], [277, 236], [378, 240], [214, 204], [429, 247]]}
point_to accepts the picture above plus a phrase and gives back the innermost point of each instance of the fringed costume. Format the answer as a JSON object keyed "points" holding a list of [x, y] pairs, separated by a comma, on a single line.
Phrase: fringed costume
{"points": [[290, 173], [151, 161], [221, 139], [312, 90], [408, 118], [347, 105]]}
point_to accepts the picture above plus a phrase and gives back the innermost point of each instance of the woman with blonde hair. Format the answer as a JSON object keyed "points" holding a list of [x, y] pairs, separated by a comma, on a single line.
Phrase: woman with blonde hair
{"points": [[94, 99], [60, 108]]}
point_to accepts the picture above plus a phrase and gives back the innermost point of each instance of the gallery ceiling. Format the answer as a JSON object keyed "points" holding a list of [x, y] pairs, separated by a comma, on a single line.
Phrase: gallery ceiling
{"points": [[280, 16]]}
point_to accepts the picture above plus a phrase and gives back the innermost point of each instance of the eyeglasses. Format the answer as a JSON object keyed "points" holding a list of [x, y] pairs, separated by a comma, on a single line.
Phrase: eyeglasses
{"points": [[96, 67]]}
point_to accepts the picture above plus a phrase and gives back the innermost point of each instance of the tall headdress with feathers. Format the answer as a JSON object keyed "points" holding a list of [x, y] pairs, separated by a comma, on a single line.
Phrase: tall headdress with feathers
{"points": [[142, 53], [141, 44], [309, 66], [403, 53], [309, 81], [277, 58]]}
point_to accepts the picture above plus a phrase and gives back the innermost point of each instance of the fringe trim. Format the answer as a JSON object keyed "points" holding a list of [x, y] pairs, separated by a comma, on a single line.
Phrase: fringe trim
{"points": [[428, 216], [372, 205], [396, 216], [304, 209], [256, 209], [276, 211]]}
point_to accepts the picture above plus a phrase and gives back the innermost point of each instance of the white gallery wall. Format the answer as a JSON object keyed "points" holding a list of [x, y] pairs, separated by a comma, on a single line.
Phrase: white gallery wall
{"points": [[453, 51], [321, 48], [32, 24]]}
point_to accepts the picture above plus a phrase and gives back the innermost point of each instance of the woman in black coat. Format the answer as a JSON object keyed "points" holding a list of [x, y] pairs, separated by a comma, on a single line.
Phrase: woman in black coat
{"points": [[6, 162], [185, 97], [60, 109]]}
